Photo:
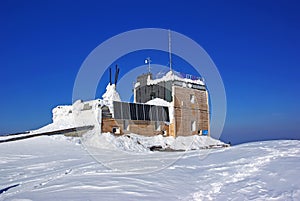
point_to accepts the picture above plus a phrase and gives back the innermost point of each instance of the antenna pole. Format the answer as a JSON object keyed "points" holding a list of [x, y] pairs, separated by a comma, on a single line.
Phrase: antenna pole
{"points": [[170, 51], [148, 61], [117, 74], [109, 75]]}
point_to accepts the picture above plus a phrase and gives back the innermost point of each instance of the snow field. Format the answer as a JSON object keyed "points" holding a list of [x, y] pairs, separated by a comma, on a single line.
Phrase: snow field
{"points": [[48, 168]]}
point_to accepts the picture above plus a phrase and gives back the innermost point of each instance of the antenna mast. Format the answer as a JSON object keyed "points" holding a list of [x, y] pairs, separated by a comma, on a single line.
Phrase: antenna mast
{"points": [[148, 61], [110, 75], [170, 52]]}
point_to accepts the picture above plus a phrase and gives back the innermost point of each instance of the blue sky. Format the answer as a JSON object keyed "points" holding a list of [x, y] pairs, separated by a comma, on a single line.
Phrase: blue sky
{"points": [[254, 44]]}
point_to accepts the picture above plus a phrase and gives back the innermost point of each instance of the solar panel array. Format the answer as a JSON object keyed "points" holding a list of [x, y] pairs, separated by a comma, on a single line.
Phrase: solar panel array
{"points": [[139, 111]]}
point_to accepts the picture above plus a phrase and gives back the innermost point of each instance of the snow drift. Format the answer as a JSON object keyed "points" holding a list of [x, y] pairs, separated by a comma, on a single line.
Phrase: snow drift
{"points": [[137, 143], [58, 168]]}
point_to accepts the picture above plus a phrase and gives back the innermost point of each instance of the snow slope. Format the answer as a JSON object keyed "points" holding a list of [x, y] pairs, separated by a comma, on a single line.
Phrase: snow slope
{"points": [[59, 168]]}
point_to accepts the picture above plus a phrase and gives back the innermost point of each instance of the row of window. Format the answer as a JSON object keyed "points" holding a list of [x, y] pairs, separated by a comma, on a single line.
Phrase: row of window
{"points": [[157, 125], [137, 111]]}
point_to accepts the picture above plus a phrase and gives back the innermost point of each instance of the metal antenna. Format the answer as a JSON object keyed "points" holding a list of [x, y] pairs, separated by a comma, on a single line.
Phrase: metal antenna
{"points": [[117, 74], [148, 61], [170, 51], [110, 76]]}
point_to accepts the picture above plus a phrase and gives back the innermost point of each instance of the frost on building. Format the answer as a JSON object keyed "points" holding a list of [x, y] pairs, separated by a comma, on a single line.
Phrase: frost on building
{"points": [[172, 105]]}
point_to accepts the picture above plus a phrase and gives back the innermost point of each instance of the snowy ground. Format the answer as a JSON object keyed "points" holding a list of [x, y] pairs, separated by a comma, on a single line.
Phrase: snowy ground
{"points": [[59, 168]]}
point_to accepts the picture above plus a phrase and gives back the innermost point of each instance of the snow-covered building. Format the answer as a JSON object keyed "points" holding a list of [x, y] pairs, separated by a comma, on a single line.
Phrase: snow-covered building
{"points": [[173, 105], [170, 105]]}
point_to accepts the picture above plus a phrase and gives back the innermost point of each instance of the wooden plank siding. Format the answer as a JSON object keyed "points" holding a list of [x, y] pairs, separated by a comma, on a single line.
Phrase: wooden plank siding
{"points": [[145, 128], [186, 111]]}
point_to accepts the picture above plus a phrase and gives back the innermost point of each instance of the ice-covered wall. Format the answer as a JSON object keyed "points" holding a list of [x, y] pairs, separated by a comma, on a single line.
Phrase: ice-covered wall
{"points": [[62, 113], [79, 114], [111, 93], [83, 113]]}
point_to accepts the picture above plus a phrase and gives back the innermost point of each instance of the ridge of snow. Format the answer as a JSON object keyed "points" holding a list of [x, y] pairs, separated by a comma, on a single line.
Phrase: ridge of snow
{"points": [[159, 102], [172, 76]]}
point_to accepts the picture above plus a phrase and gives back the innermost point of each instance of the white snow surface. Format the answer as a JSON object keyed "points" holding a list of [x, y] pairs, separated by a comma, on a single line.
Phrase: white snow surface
{"points": [[59, 168]]}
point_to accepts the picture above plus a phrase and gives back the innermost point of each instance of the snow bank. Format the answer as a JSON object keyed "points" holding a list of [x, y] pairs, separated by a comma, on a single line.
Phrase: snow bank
{"points": [[137, 143], [108, 141]]}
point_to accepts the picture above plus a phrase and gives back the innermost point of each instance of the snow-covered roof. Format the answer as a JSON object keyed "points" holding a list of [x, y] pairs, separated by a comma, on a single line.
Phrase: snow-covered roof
{"points": [[158, 101], [171, 76]]}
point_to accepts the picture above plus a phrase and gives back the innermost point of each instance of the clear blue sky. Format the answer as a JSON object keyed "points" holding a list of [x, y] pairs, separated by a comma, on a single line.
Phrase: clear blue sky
{"points": [[255, 45]]}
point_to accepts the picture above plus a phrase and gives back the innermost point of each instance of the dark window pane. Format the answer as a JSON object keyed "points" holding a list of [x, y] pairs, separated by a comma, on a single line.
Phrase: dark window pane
{"points": [[140, 111], [117, 110], [147, 112], [153, 112], [166, 113], [125, 111], [160, 114], [133, 112]]}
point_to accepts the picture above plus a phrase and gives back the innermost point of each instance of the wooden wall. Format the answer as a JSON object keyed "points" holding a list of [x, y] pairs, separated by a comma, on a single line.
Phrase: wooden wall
{"points": [[146, 128], [108, 124], [185, 111]]}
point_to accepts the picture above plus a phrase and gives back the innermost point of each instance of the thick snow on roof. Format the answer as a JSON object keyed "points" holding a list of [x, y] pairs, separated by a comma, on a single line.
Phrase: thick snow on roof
{"points": [[158, 101], [111, 93], [162, 102], [70, 116], [173, 76]]}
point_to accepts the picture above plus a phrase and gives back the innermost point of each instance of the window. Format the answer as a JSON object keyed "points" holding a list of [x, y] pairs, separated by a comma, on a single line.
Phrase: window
{"points": [[193, 125], [126, 125], [86, 106], [192, 98], [152, 95], [105, 112], [157, 125]]}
